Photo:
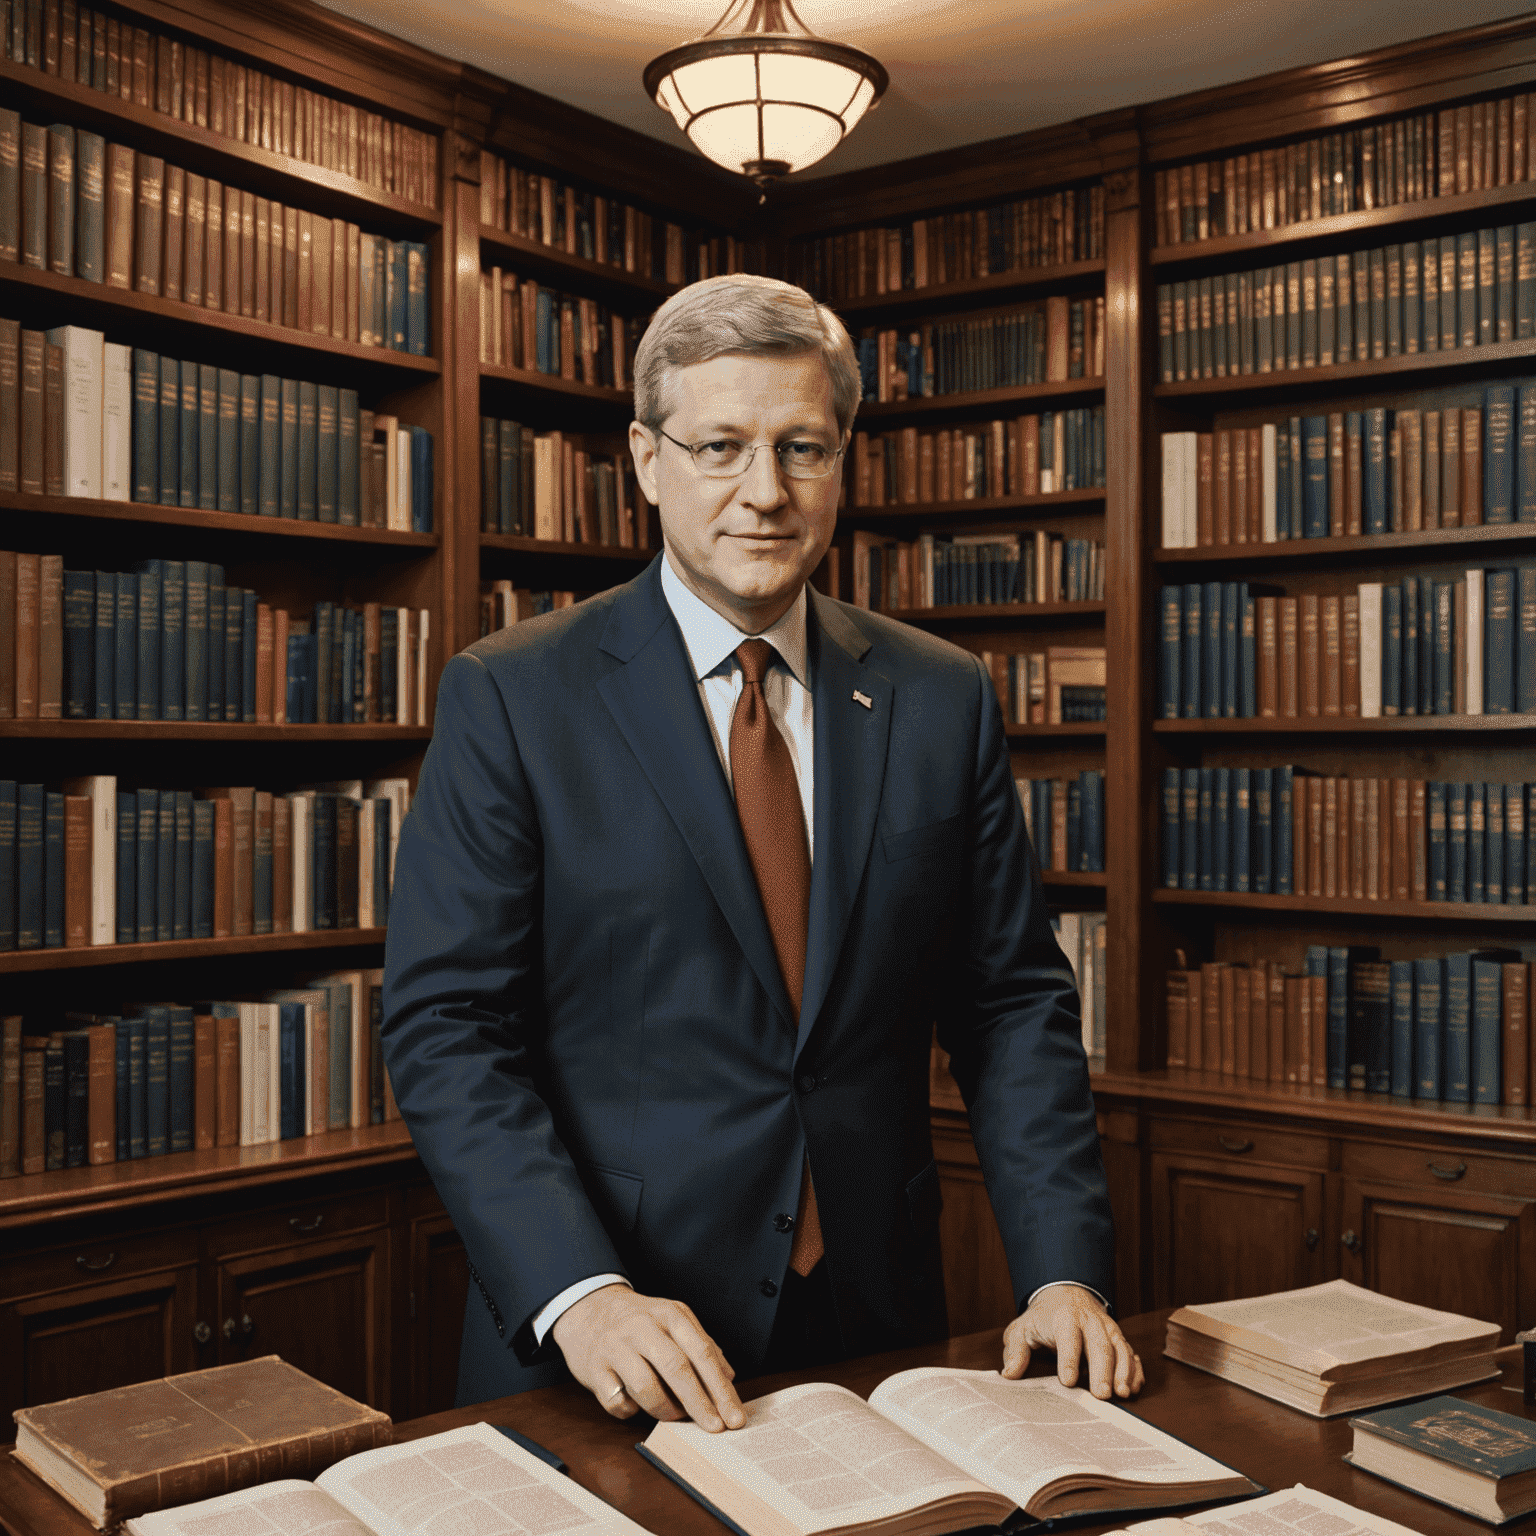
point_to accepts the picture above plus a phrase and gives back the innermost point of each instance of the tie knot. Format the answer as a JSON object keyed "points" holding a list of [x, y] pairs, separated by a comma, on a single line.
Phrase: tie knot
{"points": [[755, 656]]}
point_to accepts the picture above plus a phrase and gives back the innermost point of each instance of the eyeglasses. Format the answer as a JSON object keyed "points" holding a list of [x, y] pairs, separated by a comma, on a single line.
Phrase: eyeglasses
{"points": [[724, 458]]}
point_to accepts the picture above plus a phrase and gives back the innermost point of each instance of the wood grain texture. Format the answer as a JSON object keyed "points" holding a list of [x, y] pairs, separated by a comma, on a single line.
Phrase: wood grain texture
{"points": [[980, 399], [1497, 914], [13, 961], [1355, 549], [1019, 282], [500, 247]]}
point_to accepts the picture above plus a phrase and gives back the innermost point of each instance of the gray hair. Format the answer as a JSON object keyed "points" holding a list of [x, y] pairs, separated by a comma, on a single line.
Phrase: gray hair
{"points": [[756, 315]]}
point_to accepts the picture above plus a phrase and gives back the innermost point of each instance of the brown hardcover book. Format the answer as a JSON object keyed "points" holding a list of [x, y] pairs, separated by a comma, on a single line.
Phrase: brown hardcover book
{"points": [[242, 800], [1255, 487], [247, 254], [1316, 809], [1430, 492], [1227, 990], [1258, 1022], [101, 1094], [1194, 1045], [26, 637], [354, 240], [1240, 489], [7, 634], [1359, 847], [1400, 887], [50, 637], [1310, 661], [205, 1080], [1298, 1030], [1058, 824], [1205, 528], [1517, 1034], [261, 284], [196, 242], [261, 850], [1301, 790], [282, 864], [149, 220], [304, 272], [1418, 839], [120, 216], [77, 871], [1331, 826], [233, 277], [1266, 611], [1057, 337], [1176, 1003], [264, 637], [217, 1431], [10, 1096], [338, 304], [1318, 986], [174, 240], [320, 277], [1337, 474], [1471, 467], [1333, 657], [213, 246], [1450, 469], [1276, 979], [1459, 648], [1241, 996], [1349, 618], [280, 665], [226, 1117], [34, 1147], [223, 869], [1210, 1015], [1221, 518], [10, 405], [143, 66], [1378, 849]]}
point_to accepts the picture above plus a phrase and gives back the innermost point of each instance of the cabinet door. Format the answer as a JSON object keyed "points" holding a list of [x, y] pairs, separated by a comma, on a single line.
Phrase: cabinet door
{"points": [[439, 1280], [1459, 1250], [321, 1305], [977, 1288], [1223, 1229]]}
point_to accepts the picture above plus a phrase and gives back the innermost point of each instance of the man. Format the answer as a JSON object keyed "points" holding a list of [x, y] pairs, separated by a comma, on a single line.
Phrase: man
{"points": [[691, 870]]}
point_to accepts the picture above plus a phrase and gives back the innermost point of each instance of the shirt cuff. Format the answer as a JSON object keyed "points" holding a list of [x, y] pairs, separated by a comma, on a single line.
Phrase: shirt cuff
{"points": [[1027, 1305], [549, 1314]]}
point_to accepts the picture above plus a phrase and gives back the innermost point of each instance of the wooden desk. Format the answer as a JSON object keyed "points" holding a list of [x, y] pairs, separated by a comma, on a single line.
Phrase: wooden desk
{"points": [[1270, 1443]]}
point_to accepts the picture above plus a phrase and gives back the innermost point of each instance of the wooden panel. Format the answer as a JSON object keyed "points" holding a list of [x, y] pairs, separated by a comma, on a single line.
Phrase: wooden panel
{"points": [[96, 1260], [282, 1227], [439, 1281], [1237, 1138], [1437, 1168], [1223, 1229], [977, 1287]]}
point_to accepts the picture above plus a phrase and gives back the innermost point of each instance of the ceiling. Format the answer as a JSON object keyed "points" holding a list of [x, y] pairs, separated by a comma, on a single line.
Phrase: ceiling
{"points": [[961, 70]]}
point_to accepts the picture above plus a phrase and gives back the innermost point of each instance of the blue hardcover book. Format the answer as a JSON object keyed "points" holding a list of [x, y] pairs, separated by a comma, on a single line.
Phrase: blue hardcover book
{"points": [[1207, 825], [1516, 820], [288, 450], [188, 434], [169, 481], [229, 440], [1493, 843], [1525, 629], [137, 1028], [1456, 1082], [195, 639], [349, 662], [1172, 831], [323, 860], [248, 657], [325, 453], [165, 865], [146, 425], [1193, 649], [346, 458], [1401, 1074], [1170, 663], [207, 437], [147, 667], [1074, 823], [1455, 844], [1499, 643], [308, 446], [126, 647], [269, 447], [398, 294], [1477, 831], [417, 309], [181, 899], [79, 645], [383, 813], [1295, 496], [1487, 1023], [389, 651], [1314, 489], [250, 444], [325, 636], [1370, 1027], [311, 678], [1374, 498], [546, 353], [296, 665], [291, 1105], [1413, 297], [123, 1106], [1221, 830], [1242, 829], [1444, 642], [1342, 960], [1231, 635], [1189, 845], [173, 633], [157, 1080], [1436, 795], [421, 480], [1525, 455], [1428, 1027], [1391, 650], [1211, 682], [77, 1081], [104, 668], [1504, 283], [1525, 280], [29, 866], [52, 883], [1499, 454], [1464, 296], [179, 1077], [218, 599], [202, 869], [1487, 288], [127, 866], [1262, 844], [234, 652], [1247, 653]]}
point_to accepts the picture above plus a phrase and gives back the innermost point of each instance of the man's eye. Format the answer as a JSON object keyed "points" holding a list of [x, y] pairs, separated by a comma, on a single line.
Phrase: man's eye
{"points": [[720, 445]]}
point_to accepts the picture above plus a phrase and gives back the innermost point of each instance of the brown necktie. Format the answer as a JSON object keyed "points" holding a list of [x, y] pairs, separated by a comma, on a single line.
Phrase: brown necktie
{"points": [[773, 825]]}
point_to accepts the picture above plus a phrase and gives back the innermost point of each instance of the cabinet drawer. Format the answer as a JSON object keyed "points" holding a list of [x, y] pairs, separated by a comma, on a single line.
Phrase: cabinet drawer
{"points": [[1252, 1143], [282, 1225], [96, 1260], [1415, 1166]]}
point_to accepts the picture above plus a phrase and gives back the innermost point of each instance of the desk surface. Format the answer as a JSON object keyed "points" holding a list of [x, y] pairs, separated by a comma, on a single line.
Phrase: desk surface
{"points": [[1270, 1443]]}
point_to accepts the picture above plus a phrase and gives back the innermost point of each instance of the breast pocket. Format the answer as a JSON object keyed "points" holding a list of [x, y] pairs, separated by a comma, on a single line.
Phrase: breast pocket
{"points": [[931, 838]]}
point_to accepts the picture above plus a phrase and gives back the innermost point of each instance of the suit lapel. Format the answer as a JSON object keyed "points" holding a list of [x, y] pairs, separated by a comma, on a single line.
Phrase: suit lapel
{"points": [[654, 701], [851, 744]]}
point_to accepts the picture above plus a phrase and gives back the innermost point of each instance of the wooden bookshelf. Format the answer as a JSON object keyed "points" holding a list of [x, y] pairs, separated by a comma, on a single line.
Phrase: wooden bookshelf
{"points": [[998, 613], [520, 254], [16, 961], [981, 399], [1089, 879], [550, 383], [1017, 282], [1356, 548], [1344, 725], [1089, 728], [209, 730], [1495, 913], [979, 506], [519, 544]]}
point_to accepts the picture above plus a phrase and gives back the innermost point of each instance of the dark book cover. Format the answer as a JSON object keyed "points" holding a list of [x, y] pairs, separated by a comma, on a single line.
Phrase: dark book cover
{"points": [[1525, 281], [55, 1103], [157, 1080], [146, 641], [179, 1034], [389, 646], [181, 899], [325, 453], [61, 199], [1498, 454], [1477, 830], [173, 661], [1231, 634], [127, 866], [234, 652], [1400, 1075], [123, 1117], [77, 1088], [1482, 1440], [165, 865], [383, 814], [291, 1105], [1485, 1030], [1413, 685], [1314, 492], [288, 450], [79, 645], [1391, 650], [348, 510], [53, 870], [297, 661], [195, 639], [308, 446], [1241, 829], [1500, 642], [1493, 843], [146, 425], [324, 636], [1220, 847], [1172, 829], [90, 205], [146, 862], [248, 657], [168, 478], [250, 444], [202, 869], [1455, 842], [1374, 518], [1487, 288], [1212, 684], [1342, 963], [218, 603], [269, 451], [1189, 845], [30, 807], [261, 864], [1205, 842], [104, 665], [7, 864], [207, 489], [138, 1085], [229, 440], [323, 860], [1456, 1084], [1369, 1049], [1170, 661]]}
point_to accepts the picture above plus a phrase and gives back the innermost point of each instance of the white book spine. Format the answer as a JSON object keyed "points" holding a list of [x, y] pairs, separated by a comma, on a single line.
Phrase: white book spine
{"points": [[1474, 642], [365, 841], [1173, 518], [302, 835], [84, 366], [1189, 502], [1269, 469], [117, 423], [1370, 650], [425, 635]]}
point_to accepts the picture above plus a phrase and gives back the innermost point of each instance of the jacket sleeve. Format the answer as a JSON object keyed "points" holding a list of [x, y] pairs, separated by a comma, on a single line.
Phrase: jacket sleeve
{"points": [[464, 1019], [1013, 1030]]}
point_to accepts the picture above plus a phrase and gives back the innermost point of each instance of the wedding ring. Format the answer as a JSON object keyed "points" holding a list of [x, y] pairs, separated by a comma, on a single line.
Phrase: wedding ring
{"points": [[618, 1391]]}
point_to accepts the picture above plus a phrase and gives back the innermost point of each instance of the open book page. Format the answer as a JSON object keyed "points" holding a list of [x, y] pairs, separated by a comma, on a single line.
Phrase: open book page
{"points": [[1327, 1329], [1300, 1509], [465, 1482], [816, 1457], [1019, 1436], [285, 1508]]}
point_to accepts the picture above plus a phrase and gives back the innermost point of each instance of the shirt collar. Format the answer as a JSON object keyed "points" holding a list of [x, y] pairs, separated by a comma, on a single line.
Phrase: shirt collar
{"points": [[711, 637]]}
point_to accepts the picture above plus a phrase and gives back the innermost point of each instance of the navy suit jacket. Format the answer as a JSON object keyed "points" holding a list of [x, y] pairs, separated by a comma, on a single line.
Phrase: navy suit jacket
{"points": [[588, 1034]]}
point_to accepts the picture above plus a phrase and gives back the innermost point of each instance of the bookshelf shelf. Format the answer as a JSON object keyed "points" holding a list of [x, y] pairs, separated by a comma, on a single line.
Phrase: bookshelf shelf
{"points": [[1354, 549], [17, 960], [1087, 728], [65, 1192], [75, 300], [247, 166], [539, 259], [1472, 360], [987, 613], [1091, 496], [1431, 210], [985, 399], [1019, 281], [1094, 879], [1421, 911], [553, 384], [521, 544], [1315, 725], [240, 523], [207, 730]]}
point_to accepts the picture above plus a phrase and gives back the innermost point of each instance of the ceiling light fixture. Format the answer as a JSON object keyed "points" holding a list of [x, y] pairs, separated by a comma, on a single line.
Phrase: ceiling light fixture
{"points": [[761, 94]]}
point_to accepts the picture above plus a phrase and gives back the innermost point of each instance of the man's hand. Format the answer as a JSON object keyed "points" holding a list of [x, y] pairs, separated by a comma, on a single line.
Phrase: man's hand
{"points": [[631, 1352], [1072, 1321]]}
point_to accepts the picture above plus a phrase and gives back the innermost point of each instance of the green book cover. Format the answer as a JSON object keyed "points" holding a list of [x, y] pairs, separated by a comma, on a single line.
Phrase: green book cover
{"points": [[250, 444], [269, 449], [346, 457], [288, 465], [307, 447], [325, 453]]}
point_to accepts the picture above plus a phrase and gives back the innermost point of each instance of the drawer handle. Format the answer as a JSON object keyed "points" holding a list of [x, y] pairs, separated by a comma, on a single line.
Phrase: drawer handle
{"points": [[201, 1333], [1448, 1174], [1353, 1242], [1311, 1239], [245, 1327], [1235, 1144], [312, 1225], [100, 1264]]}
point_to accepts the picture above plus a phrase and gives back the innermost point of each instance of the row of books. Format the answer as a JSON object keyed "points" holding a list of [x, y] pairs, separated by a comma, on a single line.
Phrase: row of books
{"points": [[1421, 647], [93, 864], [82, 416], [73, 204], [1065, 820], [1083, 937], [206, 89], [603, 229], [1027, 456], [502, 604], [1286, 831], [1459, 291], [1402, 160], [1352, 473], [1014, 236], [541, 485], [935, 571], [156, 1078], [1062, 685], [523, 325], [1444, 1028], [1044, 343]]}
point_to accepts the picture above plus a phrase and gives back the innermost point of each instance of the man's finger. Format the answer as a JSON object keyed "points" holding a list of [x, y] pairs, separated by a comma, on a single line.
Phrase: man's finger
{"points": [[1100, 1349], [617, 1400], [1016, 1353], [1069, 1345], [672, 1363], [647, 1389], [1125, 1362], [712, 1369]]}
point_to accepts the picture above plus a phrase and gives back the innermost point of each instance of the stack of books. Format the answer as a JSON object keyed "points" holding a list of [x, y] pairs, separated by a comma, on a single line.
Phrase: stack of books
{"points": [[1333, 1348]]}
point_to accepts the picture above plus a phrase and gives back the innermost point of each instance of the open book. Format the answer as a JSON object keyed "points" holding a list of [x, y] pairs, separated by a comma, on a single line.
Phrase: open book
{"points": [[465, 1482], [933, 1450], [1300, 1509]]}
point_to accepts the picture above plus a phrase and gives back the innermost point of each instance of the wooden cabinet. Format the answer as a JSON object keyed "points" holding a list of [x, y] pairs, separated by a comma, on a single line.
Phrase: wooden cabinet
{"points": [[437, 1271]]}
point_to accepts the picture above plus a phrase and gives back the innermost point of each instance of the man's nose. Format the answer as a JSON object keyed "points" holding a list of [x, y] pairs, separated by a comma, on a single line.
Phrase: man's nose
{"points": [[763, 483]]}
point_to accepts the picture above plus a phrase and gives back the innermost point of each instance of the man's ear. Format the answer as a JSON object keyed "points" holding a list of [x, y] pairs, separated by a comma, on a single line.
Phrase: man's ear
{"points": [[642, 448]]}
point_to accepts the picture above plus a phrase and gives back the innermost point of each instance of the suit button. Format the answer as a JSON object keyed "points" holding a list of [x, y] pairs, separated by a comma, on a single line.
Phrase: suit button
{"points": [[783, 1223], [768, 1288], [807, 1083]]}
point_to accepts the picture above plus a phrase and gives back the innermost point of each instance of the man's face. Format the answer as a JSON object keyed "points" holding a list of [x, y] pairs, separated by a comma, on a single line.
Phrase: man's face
{"points": [[744, 545]]}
